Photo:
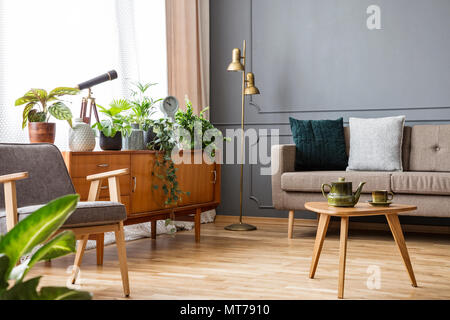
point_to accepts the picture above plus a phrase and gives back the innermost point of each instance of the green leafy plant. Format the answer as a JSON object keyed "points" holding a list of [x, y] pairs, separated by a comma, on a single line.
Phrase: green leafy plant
{"points": [[115, 121], [36, 229], [48, 104], [187, 119], [164, 168], [143, 106]]}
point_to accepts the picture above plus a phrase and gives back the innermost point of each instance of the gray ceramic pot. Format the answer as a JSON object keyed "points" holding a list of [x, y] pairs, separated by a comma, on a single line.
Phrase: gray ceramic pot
{"points": [[136, 140]]}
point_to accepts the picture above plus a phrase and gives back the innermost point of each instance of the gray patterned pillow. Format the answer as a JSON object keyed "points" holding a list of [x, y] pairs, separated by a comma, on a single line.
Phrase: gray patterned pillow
{"points": [[376, 144]]}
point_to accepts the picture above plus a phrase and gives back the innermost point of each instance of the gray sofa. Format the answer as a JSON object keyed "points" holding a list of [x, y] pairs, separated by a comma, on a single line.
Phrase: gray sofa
{"points": [[425, 181]]}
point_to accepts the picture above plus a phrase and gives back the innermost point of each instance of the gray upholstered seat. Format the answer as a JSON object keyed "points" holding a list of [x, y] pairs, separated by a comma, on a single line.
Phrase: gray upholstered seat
{"points": [[49, 179], [88, 213]]}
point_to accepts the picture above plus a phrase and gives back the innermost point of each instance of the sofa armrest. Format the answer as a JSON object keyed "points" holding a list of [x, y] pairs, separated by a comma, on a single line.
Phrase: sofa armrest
{"points": [[282, 160], [9, 181]]}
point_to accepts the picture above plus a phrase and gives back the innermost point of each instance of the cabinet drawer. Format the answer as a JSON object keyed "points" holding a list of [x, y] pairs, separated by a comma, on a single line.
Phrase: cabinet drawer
{"points": [[82, 187], [84, 165], [125, 201]]}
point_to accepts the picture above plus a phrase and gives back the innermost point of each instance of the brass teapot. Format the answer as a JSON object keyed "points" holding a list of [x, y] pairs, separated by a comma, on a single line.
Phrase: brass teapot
{"points": [[341, 194]]}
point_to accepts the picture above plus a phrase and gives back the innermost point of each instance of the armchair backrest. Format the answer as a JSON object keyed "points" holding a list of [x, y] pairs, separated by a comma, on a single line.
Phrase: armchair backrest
{"points": [[48, 177]]}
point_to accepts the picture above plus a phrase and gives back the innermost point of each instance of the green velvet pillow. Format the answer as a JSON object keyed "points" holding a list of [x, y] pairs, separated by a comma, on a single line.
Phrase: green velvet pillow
{"points": [[320, 144]]}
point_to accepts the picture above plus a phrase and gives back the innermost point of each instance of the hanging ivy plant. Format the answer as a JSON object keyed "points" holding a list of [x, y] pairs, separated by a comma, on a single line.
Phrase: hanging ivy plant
{"points": [[164, 169]]}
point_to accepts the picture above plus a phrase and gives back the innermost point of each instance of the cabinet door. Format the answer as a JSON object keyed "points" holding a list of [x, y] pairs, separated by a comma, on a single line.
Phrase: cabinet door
{"points": [[144, 197], [198, 180]]}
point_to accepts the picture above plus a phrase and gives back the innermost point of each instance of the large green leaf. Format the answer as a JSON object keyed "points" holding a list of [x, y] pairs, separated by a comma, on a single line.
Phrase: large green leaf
{"points": [[60, 111], [27, 98], [22, 291], [62, 244], [40, 94], [62, 91], [62, 293], [26, 111], [4, 264], [36, 228], [116, 107]]}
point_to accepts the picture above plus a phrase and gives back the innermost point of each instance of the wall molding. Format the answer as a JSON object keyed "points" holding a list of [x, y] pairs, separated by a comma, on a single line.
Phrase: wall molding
{"points": [[302, 109], [224, 124]]}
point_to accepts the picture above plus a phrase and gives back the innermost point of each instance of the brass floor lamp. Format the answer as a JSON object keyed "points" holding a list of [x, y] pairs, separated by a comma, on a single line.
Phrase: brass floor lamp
{"points": [[250, 89]]}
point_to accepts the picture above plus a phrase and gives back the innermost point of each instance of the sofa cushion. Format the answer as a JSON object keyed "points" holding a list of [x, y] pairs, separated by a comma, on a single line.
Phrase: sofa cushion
{"points": [[320, 144], [376, 144], [430, 148], [437, 183], [406, 145], [86, 214], [311, 181]]}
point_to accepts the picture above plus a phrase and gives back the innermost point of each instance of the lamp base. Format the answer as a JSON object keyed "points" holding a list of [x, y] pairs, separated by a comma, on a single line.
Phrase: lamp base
{"points": [[240, 227]]}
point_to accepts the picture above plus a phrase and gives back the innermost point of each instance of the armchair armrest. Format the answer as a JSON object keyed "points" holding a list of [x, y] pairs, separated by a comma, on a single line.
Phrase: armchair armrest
{"points": [[13, 177], [9, 181], [282, 160], [109, 174], [113, 182]]}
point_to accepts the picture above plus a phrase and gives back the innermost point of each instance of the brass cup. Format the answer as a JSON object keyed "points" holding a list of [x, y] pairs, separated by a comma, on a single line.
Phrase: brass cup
{"points": [[382, 196]]}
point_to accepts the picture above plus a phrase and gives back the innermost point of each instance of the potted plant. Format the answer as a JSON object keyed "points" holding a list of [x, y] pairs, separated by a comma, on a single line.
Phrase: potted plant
{"points": [[48, 104], [187, 119], [142, 108], [111, 128], [38, 228], [164, 168]]}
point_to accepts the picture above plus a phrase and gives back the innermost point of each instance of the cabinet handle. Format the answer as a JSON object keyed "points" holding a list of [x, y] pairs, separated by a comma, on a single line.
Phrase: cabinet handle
{"points": [[134, 184], [103, 165], [215, 176], [104, 187]]}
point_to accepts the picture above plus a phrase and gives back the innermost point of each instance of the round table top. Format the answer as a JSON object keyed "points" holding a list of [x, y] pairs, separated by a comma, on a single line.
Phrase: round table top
{"points": [[361, 209]]}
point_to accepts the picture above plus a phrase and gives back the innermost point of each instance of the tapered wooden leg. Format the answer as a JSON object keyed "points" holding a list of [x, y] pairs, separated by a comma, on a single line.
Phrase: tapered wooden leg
{"points": [[342, 255], [79, 257], [197, 224], [324, 219], [153, 229], [122, 253], [291, 224], [100, 248], [397, 232]]}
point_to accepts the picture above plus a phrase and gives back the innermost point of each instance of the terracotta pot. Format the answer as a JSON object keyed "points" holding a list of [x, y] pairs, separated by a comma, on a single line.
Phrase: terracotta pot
{"points": [[41, 132]]}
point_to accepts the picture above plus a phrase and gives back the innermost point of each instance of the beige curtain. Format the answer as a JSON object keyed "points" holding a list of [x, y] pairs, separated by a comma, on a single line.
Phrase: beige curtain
{"points": [[188, 51]]}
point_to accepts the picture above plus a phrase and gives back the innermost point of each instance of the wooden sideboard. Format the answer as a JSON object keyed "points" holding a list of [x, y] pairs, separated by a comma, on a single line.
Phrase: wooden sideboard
{"points": [[143, 202]]}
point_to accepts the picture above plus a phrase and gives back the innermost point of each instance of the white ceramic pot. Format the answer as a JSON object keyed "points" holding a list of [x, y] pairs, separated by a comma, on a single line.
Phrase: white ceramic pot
{"points": [[81, 136]]}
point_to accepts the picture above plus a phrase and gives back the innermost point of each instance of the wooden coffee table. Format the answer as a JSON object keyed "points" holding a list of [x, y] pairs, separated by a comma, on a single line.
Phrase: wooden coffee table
{"points": [[360, 210]]}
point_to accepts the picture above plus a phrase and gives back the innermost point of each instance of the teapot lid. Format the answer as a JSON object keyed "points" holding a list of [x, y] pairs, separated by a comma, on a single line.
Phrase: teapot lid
{"points": [[341, 179]]}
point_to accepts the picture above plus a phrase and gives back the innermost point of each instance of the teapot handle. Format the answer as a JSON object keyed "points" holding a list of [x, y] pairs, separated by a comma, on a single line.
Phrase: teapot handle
{"points": [[323, 189]]}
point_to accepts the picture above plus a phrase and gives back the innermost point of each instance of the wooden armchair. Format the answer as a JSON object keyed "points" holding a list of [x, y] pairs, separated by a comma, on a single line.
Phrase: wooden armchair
{"points": [[46, 179]]}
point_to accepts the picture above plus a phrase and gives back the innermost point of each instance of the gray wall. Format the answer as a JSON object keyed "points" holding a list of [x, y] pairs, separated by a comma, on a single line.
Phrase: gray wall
{"points": [[318, 60]]}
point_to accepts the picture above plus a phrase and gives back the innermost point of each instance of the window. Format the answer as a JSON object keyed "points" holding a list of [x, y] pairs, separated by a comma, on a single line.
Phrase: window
{"points": [[50, 43]]}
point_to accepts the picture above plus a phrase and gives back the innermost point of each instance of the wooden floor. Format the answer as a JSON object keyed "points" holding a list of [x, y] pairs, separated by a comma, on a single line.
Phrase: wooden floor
{"points": [[262, 264]]}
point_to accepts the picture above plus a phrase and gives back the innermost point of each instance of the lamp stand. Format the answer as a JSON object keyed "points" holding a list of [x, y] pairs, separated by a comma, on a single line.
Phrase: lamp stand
{"points": [[242, 226]]}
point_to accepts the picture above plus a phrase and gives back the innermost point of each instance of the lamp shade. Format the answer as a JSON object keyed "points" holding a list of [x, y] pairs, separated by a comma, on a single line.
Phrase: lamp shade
{"points": [[251, 89], [236, 64]]}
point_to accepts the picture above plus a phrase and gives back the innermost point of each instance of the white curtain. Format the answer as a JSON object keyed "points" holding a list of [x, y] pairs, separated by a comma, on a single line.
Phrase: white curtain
{"points": [[51, 43]]}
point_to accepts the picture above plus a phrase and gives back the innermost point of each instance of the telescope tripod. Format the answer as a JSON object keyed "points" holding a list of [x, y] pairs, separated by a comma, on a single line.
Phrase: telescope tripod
{"points": [[92, 107]]}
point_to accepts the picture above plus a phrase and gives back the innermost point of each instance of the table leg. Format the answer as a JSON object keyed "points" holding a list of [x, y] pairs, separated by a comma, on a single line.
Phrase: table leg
{"points": [[342, 255], [324, 219], [397, 232]]}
